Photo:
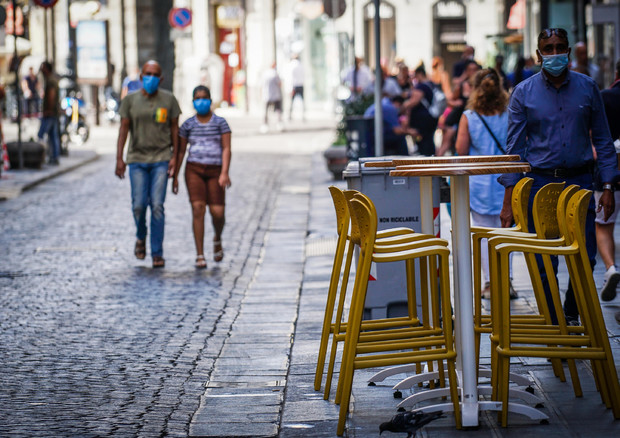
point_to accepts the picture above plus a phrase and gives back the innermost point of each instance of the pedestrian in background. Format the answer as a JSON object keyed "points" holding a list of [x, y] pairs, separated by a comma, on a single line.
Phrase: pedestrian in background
{"points": [[458, 103], [394, 141], [482, 131], [152, 118], [51, 111], [31, 92], [131, 83], [440, 77], [605, 228], [403, 80], [358, 77], [206, 171], [499, 67], [272, 95], [520, 73], [297, 82], [554, 118], [582, 64], [458, 69], [420, 118]]}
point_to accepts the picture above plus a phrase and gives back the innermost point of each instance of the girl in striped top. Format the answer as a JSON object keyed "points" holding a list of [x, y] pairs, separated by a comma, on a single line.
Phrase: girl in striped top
{"points": [[206, 170]]}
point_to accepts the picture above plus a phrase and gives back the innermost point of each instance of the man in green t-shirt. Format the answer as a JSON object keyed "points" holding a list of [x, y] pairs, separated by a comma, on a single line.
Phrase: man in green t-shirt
{"points": [[152, 117]]}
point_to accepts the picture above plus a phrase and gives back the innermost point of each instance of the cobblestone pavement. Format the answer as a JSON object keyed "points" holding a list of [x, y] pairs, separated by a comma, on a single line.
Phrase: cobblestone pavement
{"points": [[94, 342]]}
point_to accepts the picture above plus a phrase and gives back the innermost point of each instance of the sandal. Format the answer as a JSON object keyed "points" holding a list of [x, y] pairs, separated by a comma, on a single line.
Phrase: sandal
{"points": [[140, 249], [158, 262], [218, 255], [201, 263]]}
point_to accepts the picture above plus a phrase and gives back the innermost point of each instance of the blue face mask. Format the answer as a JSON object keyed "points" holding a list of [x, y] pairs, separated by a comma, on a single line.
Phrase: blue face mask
{"points": [[202, 106], [150, 84], [555, 64]]}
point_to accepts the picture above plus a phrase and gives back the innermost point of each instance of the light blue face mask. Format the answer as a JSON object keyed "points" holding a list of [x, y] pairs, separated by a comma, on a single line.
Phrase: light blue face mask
{"points": [[150, 84], [202, 106], [555, 64]]}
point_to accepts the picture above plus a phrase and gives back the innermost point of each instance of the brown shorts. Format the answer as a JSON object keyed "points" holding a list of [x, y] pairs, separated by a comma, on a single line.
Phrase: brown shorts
{"points": [[202, 183]]}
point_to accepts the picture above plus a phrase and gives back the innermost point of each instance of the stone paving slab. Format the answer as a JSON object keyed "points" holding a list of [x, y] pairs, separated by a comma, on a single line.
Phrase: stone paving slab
{"points": [[306, 414]]}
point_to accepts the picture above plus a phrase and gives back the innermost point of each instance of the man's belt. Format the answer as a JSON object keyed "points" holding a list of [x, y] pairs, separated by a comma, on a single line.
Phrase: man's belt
{"points": [[564, 172]]}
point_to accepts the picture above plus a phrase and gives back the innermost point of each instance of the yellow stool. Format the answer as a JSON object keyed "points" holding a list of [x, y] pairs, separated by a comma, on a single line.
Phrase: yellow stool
{"points": [[391, 236], [402, 327], [554, 341], [433, 342]]}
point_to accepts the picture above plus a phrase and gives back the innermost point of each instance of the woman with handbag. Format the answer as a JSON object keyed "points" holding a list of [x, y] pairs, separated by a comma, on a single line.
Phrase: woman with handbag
{"points": [[483, 131]]}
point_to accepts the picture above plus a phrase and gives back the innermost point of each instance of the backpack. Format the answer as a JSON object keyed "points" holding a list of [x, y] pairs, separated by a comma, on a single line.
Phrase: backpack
{"points": [[438, 104]]}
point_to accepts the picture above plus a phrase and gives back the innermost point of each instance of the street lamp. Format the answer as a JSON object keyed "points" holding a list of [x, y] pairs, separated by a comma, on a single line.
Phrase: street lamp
{"points": [[378, 80], [20, 151]]}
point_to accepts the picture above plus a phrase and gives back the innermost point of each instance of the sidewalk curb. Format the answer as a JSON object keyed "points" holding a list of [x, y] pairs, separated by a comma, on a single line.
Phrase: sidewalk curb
{"points": [[17, 191]]}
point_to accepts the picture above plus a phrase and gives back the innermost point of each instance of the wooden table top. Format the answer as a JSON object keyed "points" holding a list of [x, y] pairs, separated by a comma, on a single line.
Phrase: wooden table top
{"points": [[463, 165], [452, 170], [444, 160]]}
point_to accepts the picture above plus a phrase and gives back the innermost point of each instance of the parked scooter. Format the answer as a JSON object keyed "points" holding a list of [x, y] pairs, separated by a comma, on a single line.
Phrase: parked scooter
{"points": [[73, 127]]}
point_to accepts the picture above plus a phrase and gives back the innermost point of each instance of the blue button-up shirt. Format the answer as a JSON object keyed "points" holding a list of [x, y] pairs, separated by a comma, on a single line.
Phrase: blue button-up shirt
{"points": [[550, 128], [390, 113]]}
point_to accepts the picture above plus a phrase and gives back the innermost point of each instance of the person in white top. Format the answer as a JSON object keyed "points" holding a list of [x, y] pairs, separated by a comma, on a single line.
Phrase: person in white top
{"points": [[359, 77], [297, 82], [272, 95]]}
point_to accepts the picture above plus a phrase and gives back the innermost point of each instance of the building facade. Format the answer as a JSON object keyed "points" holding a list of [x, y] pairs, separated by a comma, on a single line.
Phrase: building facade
{"points": [[230, 43]]}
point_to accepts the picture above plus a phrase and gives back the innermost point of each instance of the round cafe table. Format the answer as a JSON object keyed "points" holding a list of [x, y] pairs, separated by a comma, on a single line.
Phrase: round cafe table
{"points": [[459, 169]]}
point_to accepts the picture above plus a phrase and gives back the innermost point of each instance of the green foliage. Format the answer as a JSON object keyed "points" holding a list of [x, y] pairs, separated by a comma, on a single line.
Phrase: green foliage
{"points": [[353, 107]]}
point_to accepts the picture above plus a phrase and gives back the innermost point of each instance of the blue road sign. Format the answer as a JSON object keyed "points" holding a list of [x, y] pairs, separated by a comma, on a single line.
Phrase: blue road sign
{"points": [[180, 18]]}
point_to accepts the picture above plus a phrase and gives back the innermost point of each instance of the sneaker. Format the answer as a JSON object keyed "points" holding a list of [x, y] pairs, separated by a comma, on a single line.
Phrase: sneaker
{"points": [[612, 277], [572, 321], [486, 292]]}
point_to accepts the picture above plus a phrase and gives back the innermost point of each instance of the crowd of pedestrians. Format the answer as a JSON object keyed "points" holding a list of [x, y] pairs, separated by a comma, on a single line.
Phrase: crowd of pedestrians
{"points": [[551, 113]]}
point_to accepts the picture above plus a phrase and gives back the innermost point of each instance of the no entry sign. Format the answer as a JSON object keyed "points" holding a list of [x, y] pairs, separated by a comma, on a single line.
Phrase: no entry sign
{"points": [[180, 18]]}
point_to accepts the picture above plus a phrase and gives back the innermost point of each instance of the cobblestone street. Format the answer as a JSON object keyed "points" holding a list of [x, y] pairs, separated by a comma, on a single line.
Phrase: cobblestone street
{"points": [[94, 342]]}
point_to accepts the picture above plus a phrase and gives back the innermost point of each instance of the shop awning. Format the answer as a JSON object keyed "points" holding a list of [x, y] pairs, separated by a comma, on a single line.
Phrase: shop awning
{"points": [[516, 20]]}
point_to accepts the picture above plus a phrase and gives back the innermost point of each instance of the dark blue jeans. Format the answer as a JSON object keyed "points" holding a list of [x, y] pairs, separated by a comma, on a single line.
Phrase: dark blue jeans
{"points": [[585, 182], [148, 189], [49, 126]]}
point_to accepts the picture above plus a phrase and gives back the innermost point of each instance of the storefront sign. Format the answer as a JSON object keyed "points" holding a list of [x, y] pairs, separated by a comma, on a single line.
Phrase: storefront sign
{"points": [[229, 17], [92, 52]]}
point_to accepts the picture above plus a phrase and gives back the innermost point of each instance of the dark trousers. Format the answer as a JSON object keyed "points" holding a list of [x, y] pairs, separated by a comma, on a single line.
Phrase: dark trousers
{"points": [[585, 182]]}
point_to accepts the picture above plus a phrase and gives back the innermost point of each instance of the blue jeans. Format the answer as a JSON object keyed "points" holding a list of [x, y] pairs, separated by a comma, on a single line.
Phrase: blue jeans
{"points": [[148, 189], [585, 182], [49, 126]]}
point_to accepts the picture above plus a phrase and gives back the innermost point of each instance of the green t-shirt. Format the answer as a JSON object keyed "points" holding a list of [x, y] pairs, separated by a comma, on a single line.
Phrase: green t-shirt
{"points": [[150, 117]]}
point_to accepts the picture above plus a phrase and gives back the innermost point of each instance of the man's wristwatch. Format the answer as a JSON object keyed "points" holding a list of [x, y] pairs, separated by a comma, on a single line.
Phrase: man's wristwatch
{"points": [[608, 186]]}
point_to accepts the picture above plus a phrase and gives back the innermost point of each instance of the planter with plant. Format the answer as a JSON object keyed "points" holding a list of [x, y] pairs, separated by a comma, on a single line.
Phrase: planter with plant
{"points": [[338, 153]]}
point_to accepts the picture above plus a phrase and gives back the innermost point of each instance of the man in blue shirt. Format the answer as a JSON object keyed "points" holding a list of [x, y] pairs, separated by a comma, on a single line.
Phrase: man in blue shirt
{"points": [[555, 117], [394, 142]]}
